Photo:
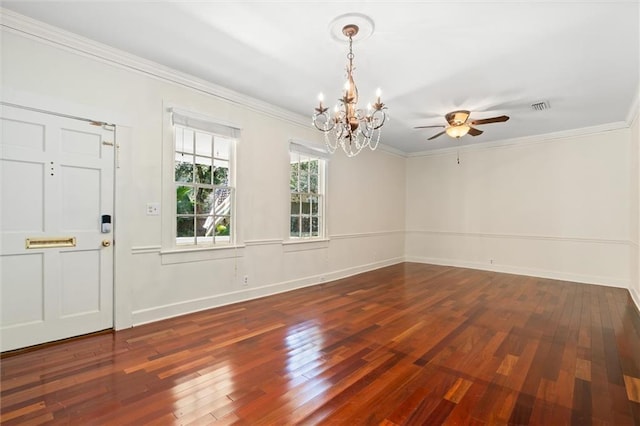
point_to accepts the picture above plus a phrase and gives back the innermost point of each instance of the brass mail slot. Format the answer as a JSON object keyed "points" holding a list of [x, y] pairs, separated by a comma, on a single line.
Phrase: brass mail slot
{"points": [[36, 243]]}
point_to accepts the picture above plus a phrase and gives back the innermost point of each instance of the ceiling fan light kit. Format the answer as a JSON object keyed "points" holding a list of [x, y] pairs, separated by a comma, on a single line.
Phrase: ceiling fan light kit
{"points": [[458, 124], [458, 131]]}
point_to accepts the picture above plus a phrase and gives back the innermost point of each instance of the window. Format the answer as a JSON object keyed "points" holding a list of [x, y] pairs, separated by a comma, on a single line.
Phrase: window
{"points": [[306, 183], [203, 183]]}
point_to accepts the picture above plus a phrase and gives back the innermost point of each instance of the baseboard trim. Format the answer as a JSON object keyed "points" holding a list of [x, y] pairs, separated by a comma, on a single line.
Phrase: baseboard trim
{"points": [[531, 272], [520, 237], [145, 316]]}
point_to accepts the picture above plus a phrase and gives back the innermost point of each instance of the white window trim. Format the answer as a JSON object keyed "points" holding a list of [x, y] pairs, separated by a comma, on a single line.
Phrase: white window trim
{"points": [[178, 253], [302, 244], [312, 149], [193, 254], [309, 148]]}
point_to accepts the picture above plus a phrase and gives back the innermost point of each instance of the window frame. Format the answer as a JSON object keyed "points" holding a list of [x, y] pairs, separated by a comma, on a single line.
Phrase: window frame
{"points": [[215, 240], [311, 152], [171, 251]]}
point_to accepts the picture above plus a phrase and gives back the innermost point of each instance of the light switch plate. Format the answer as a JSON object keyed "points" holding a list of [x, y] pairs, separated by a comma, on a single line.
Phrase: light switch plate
{"points": [[153, 209]]}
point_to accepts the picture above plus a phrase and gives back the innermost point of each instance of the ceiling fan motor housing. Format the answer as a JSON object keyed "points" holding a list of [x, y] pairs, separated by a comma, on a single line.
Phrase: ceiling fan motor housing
{"points": [[457, 118]]}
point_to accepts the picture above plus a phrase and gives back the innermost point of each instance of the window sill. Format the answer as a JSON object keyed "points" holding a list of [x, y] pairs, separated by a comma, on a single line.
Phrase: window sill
{"points": [[200, 254], [305, 244]]}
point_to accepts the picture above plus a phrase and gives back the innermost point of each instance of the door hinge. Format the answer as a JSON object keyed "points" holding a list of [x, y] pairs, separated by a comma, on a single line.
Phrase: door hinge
{"points": [[105, 126]]}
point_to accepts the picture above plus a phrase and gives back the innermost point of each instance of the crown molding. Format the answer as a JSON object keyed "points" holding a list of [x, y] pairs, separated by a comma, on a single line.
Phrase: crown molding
{"points": [[391, 150], [54, 36], [48, 34], [527, 140]]}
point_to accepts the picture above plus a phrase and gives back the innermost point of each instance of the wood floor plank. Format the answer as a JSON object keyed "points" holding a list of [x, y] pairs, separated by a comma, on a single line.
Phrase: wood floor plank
{"points": [[402, 345]]}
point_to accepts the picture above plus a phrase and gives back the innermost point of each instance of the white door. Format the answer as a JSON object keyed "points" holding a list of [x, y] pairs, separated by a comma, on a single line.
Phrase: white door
{"points": [[56, 265]]}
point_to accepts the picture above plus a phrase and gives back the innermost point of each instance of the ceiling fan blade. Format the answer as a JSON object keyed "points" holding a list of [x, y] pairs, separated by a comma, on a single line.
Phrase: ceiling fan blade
{"points": [[455, 118], [428, 127], [474, 132], [436, 135], [499, 119]]}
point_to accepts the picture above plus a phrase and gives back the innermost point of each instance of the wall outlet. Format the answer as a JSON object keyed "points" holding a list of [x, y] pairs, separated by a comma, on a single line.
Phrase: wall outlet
{"points": [[153, 209], [245, 281], [491, 261]]}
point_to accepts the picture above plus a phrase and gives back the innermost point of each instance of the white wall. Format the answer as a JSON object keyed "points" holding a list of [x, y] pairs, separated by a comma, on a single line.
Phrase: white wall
{"points": [[365, 228], [554, 208], [634, 284], [563, 208]]}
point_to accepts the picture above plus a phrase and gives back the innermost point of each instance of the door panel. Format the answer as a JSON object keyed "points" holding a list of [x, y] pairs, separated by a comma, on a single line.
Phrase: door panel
{"points": [[57, 182], [23, 188], [22, 295], [23, 135], [80, 201], [74, 142], [80, 288]]}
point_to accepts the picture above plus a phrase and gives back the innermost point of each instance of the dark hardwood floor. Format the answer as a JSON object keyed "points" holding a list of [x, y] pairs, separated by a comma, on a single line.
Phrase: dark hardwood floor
{"points": [[406, 344]]}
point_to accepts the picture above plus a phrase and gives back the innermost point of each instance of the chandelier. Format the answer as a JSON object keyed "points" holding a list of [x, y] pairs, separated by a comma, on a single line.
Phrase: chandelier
{"points": [[348, 126]]}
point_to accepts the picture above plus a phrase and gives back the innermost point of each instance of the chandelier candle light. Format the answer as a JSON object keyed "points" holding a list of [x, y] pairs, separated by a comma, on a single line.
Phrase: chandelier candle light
{"points": [[349, 127]]}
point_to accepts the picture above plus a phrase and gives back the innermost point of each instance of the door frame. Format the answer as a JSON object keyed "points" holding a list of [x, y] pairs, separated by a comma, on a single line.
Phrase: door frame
{"points": [[122, 173]]}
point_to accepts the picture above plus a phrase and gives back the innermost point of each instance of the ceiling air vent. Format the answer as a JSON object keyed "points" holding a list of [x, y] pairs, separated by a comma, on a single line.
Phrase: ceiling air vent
{"points": [[540, 106]]}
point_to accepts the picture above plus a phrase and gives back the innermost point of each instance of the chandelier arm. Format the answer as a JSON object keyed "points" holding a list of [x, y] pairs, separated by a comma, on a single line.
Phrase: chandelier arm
{"points": [[324, 127], [367, 130], [380, 115]]}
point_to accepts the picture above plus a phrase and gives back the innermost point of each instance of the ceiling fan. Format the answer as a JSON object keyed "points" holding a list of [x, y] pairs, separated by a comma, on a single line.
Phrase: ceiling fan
{"points": [[458, 125]]}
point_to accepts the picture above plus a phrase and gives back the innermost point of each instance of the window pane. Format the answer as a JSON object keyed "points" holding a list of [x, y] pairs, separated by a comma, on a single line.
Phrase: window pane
{"points": [[204, 201], [222, 148], [201, 230], [203, 170], [304, 178], [295, 226], [293, 179], [306, 204], [221, 172], [313, 176], [314, 204], [295, 204], [223, 225], [184, 227], [222, 201], [208, 225], [315, 226], [313, 184], [184, 200], [184, 168], [203, 144], [184, 140], [305, 226]]}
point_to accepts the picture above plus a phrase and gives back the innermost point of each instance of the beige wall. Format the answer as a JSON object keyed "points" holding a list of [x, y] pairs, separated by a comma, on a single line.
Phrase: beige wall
{"points": [[564, 208], [634, 285], [553, 208], [365, 229]]}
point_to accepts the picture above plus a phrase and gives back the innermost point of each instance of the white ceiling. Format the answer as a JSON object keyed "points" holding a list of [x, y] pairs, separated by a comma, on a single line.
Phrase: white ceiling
{"points": [[429, 57]]}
